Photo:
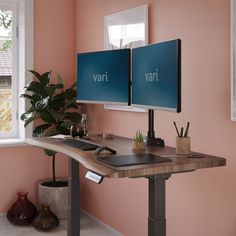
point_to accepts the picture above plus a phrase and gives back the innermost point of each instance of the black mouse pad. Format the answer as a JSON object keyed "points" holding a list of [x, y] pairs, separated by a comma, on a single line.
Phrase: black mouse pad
{"points": [[135, 159]]}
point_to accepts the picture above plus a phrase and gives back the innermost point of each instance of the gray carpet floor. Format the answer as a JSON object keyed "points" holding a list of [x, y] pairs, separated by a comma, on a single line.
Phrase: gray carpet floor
{"points": [[89, 227]]}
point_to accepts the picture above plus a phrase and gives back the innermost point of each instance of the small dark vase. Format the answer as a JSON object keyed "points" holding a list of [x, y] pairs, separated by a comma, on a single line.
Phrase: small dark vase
{"points": [[22, 212], [46, 220], [76, 131]]}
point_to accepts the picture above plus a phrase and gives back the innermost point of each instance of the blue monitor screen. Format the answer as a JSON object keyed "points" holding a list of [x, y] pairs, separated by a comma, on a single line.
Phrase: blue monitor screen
{"points": [[104, 77], [156, 78]]}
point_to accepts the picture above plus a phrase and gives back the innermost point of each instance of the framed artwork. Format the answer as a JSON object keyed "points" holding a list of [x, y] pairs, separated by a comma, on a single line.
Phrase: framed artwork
{"points": [[126, 29]]}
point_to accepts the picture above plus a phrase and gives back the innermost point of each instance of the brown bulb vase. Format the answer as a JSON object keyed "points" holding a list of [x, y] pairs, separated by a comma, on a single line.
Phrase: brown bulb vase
{"points": [[46, 220]]}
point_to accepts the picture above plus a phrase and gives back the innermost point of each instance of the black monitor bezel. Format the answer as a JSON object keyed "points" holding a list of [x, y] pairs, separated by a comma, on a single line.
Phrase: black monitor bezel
{"points": [[178, 108], [128, 85]]}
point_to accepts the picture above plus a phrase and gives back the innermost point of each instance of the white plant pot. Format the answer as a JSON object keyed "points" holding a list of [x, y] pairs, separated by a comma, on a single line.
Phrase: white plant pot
{"points": [[57, 197]]}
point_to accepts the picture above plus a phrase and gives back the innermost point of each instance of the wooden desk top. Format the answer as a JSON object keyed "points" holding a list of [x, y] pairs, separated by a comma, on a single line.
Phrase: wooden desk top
{"points": [[123, 147]]}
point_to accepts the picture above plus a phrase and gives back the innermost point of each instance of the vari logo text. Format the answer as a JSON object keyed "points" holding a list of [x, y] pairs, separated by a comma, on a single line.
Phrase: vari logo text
{"points": [[101, 77], [152, 76]]}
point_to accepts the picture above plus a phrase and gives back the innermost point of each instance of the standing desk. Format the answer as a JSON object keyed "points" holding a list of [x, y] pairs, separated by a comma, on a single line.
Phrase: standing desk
{"points": [[157, 174]]}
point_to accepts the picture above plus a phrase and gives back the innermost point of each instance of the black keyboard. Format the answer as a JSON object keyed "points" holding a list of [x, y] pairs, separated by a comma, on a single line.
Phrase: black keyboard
{"points": [[82, 145]]}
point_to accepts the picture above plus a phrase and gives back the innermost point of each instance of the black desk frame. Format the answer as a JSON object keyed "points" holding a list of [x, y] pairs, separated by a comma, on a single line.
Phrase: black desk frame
{"points": [[156, 218], [157, 204], [73, 228]]}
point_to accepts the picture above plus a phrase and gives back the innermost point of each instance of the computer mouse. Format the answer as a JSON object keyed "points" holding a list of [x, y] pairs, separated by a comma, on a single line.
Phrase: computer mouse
{"points": [[104, 148]]}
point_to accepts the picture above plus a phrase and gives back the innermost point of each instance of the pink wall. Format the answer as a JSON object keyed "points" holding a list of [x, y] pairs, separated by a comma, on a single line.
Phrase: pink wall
{"points": [[55, 38], [201, 202], [22, 167]]}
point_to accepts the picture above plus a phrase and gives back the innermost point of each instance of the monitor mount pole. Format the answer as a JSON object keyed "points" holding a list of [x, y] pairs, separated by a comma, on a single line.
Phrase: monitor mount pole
{"points": [[150, 140]]}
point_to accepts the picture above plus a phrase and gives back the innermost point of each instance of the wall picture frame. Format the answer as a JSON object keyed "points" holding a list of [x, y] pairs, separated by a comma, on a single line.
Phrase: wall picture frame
{"points": [[126, 29]]}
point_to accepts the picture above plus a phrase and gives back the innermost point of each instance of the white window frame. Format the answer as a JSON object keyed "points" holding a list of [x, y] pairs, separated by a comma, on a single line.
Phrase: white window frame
{"points": [[14, 132], [25, 61]]}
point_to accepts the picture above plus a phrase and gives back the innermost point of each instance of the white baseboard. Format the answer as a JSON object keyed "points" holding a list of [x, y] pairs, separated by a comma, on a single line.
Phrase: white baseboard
{"points": [[101, 223]]}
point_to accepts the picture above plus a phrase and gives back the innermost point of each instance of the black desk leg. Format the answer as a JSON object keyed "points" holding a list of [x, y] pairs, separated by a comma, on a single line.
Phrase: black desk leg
{"points": [[73, 199], [157, 209]]}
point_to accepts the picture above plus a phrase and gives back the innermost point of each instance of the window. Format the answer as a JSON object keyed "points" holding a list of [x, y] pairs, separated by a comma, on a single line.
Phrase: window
{"points": [[16, 31], [8, 68]]}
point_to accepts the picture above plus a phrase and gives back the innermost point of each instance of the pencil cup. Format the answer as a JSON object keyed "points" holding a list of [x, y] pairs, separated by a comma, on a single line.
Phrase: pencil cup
{"points": [[182, 145]]}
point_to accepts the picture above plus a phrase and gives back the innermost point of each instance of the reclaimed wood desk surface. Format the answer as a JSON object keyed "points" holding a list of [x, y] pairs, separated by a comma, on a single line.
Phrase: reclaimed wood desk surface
{"points": [[123, 146]]}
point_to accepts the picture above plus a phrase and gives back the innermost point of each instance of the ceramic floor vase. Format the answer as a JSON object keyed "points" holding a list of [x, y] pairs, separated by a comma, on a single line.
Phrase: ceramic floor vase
{"points": [[22, 212], [57, 197]]}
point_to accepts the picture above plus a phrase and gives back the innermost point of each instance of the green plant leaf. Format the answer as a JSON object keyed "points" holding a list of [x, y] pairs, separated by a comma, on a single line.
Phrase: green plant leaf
{"points": [[60, 96], [51, 89], [45, 78], [47, 117], [36, 88], [70, 94], [32, 118], [36, 74], [63, 130], [57, 104], [57, 115], [31, 109], [50, 152], [52, 131], [27, 115], [39, 130], [57, 130], [32, 86], [61, 117], [35, 98], [26, 96], [67, 124], [71, 104], [138, 137], [42, 104], [59, 79], [73, 116]]}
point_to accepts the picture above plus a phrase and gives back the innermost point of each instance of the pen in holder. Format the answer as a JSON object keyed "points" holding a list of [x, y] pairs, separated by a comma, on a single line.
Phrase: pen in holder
{"points": [[182, 141], [183, 145]]}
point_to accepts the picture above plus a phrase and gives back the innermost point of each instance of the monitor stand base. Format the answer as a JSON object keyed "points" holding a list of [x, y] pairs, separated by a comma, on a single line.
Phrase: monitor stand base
{"points": [[150, 140], [158, 142]]}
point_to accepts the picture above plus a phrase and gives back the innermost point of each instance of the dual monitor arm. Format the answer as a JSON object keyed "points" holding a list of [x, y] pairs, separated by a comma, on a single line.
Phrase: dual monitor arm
{"points": [[150, 140]]}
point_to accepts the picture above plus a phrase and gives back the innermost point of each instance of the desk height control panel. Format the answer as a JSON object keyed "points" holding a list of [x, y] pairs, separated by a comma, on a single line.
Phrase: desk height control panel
{"points": [[94, 177]]}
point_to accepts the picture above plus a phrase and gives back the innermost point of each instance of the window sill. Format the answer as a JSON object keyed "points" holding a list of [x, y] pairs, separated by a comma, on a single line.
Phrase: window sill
{"points": [[12, 142]]}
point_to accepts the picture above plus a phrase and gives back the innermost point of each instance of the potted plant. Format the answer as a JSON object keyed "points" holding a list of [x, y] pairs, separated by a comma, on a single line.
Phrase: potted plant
{"points": [[138, 142], [55, 107]]}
